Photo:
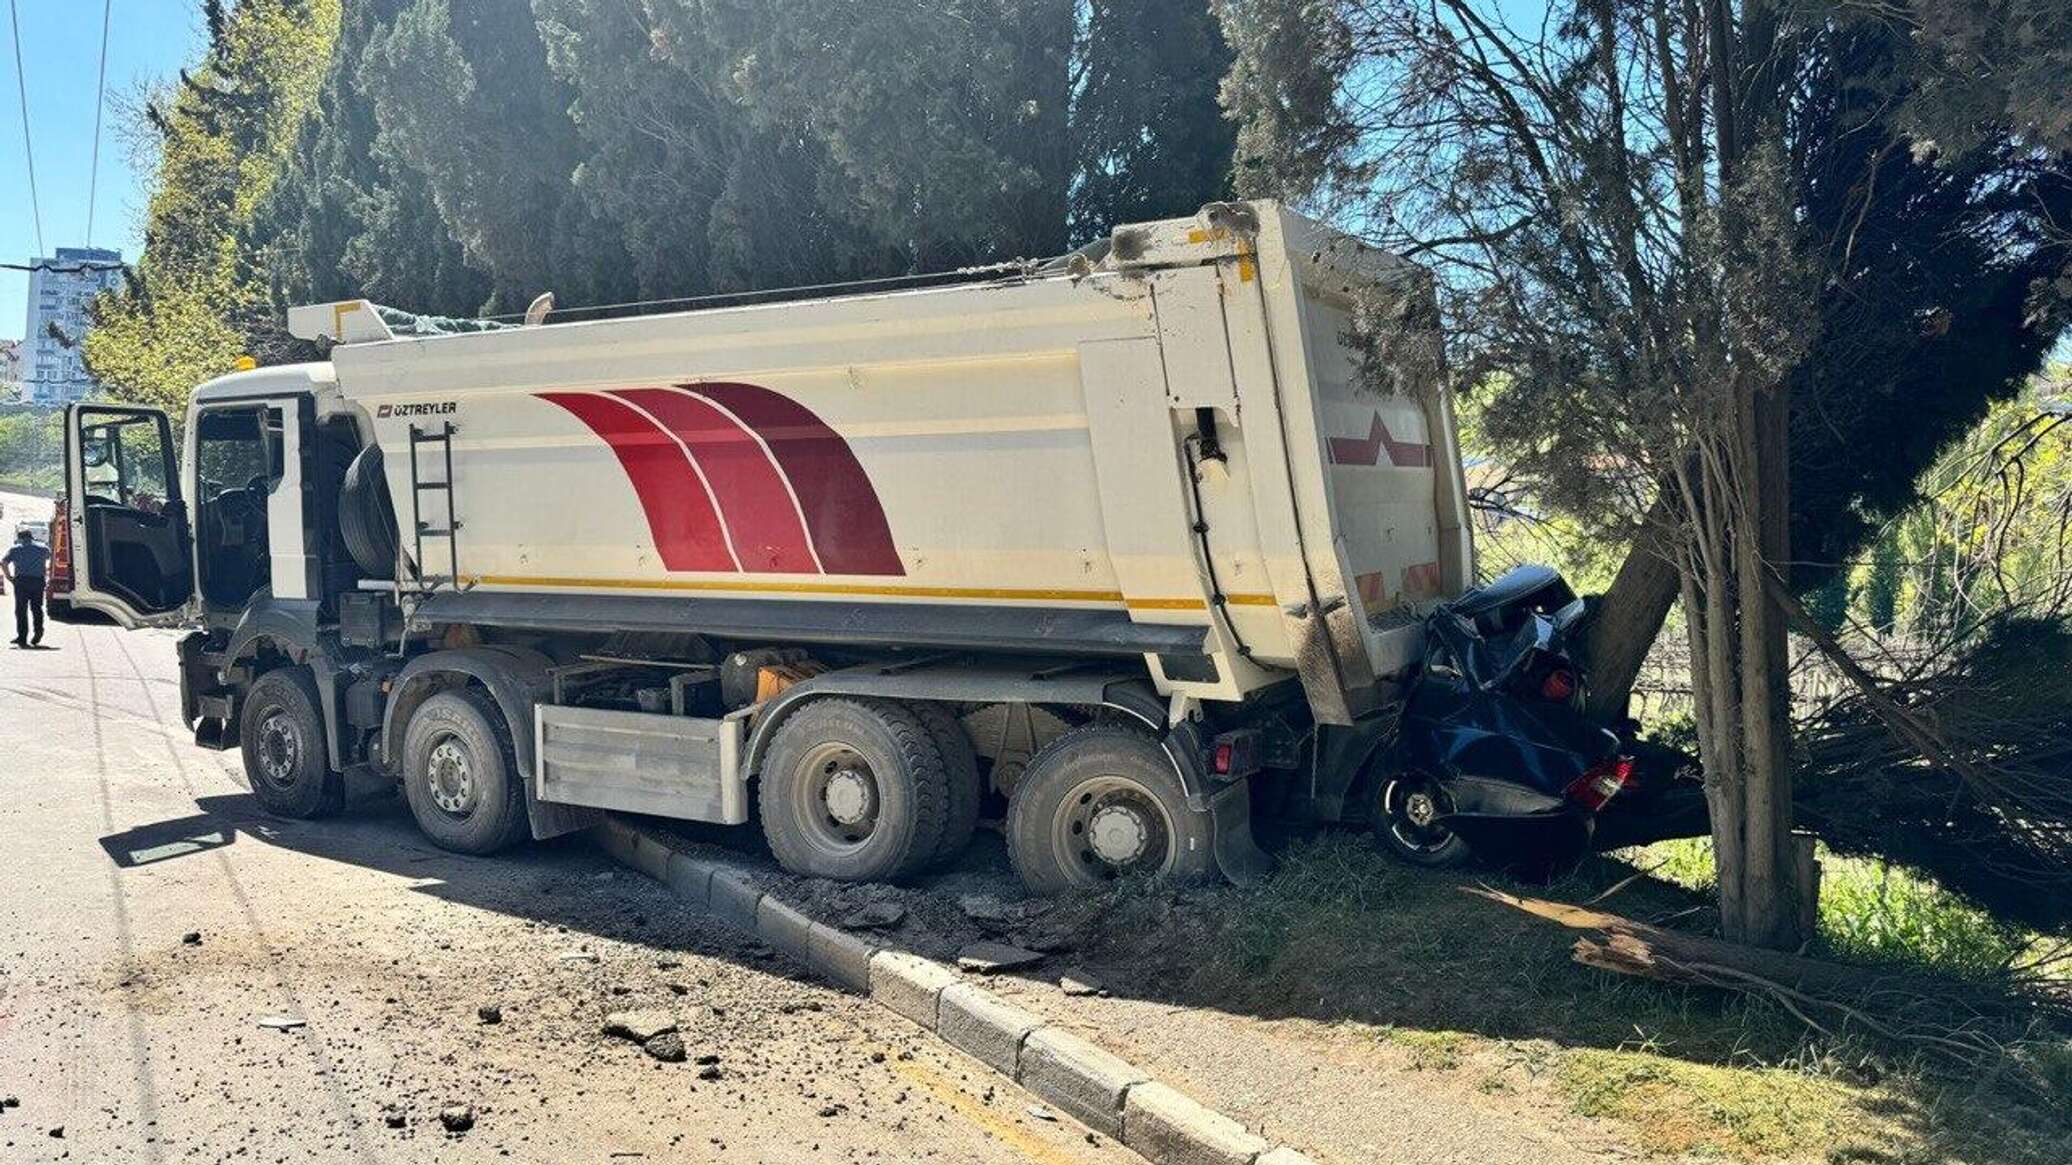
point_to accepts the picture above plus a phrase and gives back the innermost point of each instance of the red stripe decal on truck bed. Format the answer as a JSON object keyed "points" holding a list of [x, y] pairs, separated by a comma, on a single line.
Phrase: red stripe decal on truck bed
{"points": [[685, 527], [762, 521], [1367, 450], [841, 509]]}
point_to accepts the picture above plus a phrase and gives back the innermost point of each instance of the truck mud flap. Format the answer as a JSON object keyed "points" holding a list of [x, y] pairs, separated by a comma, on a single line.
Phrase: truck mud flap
{"points": [[1237, 855]]}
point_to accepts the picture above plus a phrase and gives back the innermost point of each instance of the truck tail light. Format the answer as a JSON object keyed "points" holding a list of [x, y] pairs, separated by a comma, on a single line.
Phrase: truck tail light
{"points": [[1235, 754], [1600, 783]]}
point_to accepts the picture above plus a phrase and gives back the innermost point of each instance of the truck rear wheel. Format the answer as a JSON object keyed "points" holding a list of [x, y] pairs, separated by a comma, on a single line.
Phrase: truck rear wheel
{"points": [[960, 766], [282, 737], [460, 774], [854, 790], [1099, 803]]}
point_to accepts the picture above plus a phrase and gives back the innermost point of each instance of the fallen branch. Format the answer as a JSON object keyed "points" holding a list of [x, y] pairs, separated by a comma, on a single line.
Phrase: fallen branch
{"points": [[1964, 1025]]}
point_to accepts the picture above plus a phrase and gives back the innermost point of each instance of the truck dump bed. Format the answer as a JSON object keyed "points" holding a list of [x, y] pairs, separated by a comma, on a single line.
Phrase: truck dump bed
{"points": [[1178, 451]]}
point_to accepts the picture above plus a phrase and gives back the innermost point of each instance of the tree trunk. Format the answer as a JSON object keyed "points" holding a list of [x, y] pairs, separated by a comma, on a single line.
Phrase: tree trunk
{"points": [[1631, 616]]}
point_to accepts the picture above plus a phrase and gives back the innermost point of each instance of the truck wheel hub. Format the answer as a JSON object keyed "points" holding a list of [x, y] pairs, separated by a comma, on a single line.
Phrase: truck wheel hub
{"points": [[1118, 834], [279, 750], [851, 796], [452, 778]]}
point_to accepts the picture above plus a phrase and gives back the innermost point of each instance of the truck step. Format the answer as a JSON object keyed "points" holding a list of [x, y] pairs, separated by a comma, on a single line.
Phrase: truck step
{"points": [[212, 733], [215, 705]]}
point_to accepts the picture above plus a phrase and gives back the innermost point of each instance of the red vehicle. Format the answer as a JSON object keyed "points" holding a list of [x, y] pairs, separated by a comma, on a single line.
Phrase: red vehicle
{"points": [[57, 592]]}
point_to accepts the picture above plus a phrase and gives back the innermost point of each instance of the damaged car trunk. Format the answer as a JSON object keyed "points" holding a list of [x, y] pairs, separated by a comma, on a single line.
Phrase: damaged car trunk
{"points": [[1491, 755]]}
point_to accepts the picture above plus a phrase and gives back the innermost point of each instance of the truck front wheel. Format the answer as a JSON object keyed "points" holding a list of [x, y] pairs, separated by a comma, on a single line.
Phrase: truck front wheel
{"points": [[460, 774], [855, 790], [282, 738], [1099, 803]]}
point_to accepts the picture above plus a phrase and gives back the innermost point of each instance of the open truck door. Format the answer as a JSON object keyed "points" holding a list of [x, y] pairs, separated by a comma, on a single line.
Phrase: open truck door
{"points": [[131, 556]]}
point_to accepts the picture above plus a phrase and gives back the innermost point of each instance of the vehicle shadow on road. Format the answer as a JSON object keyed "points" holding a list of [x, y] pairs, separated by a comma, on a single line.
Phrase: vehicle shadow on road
{"points": [[565, 883]]}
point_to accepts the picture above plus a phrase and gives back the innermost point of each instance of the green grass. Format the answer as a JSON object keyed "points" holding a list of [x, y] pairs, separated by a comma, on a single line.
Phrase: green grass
{"points": [[1442, 982], [1678, 1108], [1874, 912]]}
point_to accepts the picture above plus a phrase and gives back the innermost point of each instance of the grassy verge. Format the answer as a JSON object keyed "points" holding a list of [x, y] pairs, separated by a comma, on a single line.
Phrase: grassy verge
{"points": [[1445, 984], [1874, 912]]}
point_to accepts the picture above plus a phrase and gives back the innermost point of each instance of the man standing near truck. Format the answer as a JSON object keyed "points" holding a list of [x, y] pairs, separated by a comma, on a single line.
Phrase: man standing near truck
{"points": [[26, 566]]}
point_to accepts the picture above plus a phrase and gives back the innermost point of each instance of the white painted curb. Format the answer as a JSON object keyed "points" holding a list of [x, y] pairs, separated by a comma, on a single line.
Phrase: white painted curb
{"points": [[1101, 1090]]}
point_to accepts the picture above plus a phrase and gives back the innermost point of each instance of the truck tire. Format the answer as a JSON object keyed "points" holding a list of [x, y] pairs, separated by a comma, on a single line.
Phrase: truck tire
{"points": [[1099, 803], [367, 517], [281, 735], [460, 774], [960, 766], [853, 790]]}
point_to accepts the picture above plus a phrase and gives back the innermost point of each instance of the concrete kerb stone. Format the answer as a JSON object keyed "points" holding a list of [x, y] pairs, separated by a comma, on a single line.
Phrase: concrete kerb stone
{"points": [[985, 1025], [734, 898], [843, 957], [1101, 1090], [651, 857], [691, 877], [1164, 1125], [618, 840], [1084, 1080], [910, 985], [784, 928]]}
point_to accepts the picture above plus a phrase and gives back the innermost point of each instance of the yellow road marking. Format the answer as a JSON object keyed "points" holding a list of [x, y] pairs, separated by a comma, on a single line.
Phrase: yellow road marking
{"points": [[908, 592], [945, 1090]]}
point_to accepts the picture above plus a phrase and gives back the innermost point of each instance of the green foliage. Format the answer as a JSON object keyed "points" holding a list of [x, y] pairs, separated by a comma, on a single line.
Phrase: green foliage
{"points": [[608, 151], [348, 218], [1989, 533], [1148, 136], [32, 447], [1875, 912], [463, 95], [198, 297]]}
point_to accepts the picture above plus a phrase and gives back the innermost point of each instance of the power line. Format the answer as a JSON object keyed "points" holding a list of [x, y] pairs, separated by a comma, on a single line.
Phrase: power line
{"points": [[93, 174], [21, 85], [66, 268]]}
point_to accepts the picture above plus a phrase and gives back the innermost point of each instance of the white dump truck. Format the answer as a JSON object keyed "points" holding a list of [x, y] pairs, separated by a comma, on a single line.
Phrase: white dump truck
{"points": [[1111, 548]]}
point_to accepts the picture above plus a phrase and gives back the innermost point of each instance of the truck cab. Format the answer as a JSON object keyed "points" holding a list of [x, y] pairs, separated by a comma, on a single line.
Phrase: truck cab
{"points": [[192, 523]]}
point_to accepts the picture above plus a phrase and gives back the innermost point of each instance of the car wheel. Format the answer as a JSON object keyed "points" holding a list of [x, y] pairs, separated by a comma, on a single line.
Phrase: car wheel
{"points": [[1408, 822]]}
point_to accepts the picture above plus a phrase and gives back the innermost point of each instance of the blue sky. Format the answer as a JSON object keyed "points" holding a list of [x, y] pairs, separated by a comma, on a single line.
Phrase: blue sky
{"points": [[148, 41]]}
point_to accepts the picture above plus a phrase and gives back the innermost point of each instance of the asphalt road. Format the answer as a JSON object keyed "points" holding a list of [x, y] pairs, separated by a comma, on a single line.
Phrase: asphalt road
{"points": [[126, 1042]]}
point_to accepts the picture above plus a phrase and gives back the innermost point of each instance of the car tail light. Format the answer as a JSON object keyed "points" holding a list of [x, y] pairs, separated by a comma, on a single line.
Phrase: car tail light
{"points": [[1600, 783], [1559, 685]]}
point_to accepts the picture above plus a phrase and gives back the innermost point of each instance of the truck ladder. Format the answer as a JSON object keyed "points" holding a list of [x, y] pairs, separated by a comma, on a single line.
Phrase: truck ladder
{"points": [[421, 439]]}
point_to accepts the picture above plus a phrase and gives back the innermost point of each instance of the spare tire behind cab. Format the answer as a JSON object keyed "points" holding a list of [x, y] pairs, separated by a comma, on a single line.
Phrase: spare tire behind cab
{"points": [[367, 515]]}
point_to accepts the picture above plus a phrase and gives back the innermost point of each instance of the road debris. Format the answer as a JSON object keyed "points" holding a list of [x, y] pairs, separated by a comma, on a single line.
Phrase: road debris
{"points": [[1080, 981], [874, 916], [282, 1023], [457, 1118], [489, 1013], [192, 938], [667, 1047], [1043, 1114], [989, 958], [639, 1026]]}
